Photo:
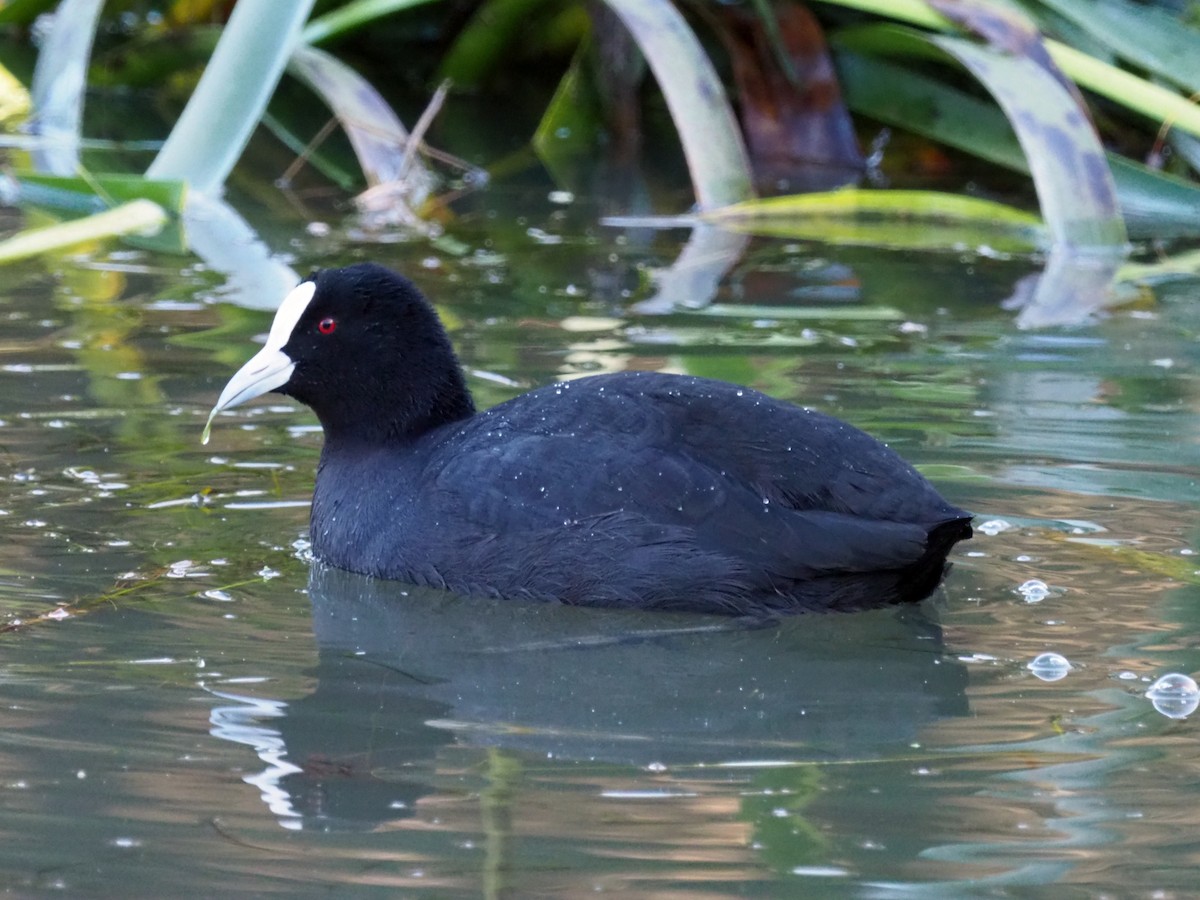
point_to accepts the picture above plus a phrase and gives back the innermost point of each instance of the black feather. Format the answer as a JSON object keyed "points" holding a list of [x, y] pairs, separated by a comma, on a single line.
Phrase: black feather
{"points": [[636, 489]]}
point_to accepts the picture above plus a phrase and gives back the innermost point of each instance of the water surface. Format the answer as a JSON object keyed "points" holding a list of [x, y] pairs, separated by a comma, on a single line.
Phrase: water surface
{"points": [[217, 715]]}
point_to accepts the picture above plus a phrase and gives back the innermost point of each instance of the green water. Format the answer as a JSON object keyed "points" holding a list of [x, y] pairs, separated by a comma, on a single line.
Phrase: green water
{"points": [[216, 718]]}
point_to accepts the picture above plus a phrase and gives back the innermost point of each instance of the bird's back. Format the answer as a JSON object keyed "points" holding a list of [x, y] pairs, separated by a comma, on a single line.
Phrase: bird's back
{"points": [[641, 489]]}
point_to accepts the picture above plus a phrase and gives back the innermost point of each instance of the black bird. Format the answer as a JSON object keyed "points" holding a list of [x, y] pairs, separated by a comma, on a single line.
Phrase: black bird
{"points": [[636, 489]]}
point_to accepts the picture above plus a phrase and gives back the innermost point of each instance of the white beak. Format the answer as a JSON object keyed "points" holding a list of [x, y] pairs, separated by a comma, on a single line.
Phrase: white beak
{"points": [[267, 370], [270, 368]]}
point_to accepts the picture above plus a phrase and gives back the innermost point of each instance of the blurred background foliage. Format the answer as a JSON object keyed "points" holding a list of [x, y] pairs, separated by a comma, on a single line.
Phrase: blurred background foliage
{"points": [[1057, 127]]}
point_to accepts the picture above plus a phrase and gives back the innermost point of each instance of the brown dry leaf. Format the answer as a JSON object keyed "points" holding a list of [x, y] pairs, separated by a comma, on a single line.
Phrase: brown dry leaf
{"points": [[797, 129]]}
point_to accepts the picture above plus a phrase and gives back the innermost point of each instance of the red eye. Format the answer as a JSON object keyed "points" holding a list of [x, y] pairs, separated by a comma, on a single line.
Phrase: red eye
{"points": [[327, 326]]}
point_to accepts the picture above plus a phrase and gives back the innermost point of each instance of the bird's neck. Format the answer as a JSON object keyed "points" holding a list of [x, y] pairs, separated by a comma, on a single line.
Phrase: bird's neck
{"points": [[397, 415]]}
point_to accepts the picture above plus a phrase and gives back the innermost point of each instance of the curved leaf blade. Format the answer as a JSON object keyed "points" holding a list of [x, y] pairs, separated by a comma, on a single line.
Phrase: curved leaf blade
{"points": [[351, 16], [712, 142], [1154, 204], [227, 104], [1068, 165], [1152, 100], [571, 123], [379, 138], [137, 216], [58, 82], [922, 220], [101, 189], [1146, 35]]}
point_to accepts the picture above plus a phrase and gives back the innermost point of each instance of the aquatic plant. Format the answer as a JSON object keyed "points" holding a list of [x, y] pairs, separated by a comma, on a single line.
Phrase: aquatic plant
{"points": [[799, 73]]}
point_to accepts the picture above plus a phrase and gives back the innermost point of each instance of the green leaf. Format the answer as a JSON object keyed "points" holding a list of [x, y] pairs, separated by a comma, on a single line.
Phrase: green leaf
{"points": [[1182, 266], [112, 189], [571, 123], [897, 95], [914, 12], [896, 219], [1148, 36], [1075, 190], [15, 102], [18, 192], [23, 12], [700, 111], [232, 94], [1154, 204], [95, 193], [351, 16], [487, 39], [129, 218], [1151, 100], [849, 313]]}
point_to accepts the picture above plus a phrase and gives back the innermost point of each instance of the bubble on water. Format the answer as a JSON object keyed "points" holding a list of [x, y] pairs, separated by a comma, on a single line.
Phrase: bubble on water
{"points": [[1034, 590], [1050, 666], [1175, 696], [183, 568], [993, 527], [821, 871], [977, 657]]}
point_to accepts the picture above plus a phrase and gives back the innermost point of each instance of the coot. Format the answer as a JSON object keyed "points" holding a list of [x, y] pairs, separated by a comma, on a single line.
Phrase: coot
{"points": [[636, 489]]}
